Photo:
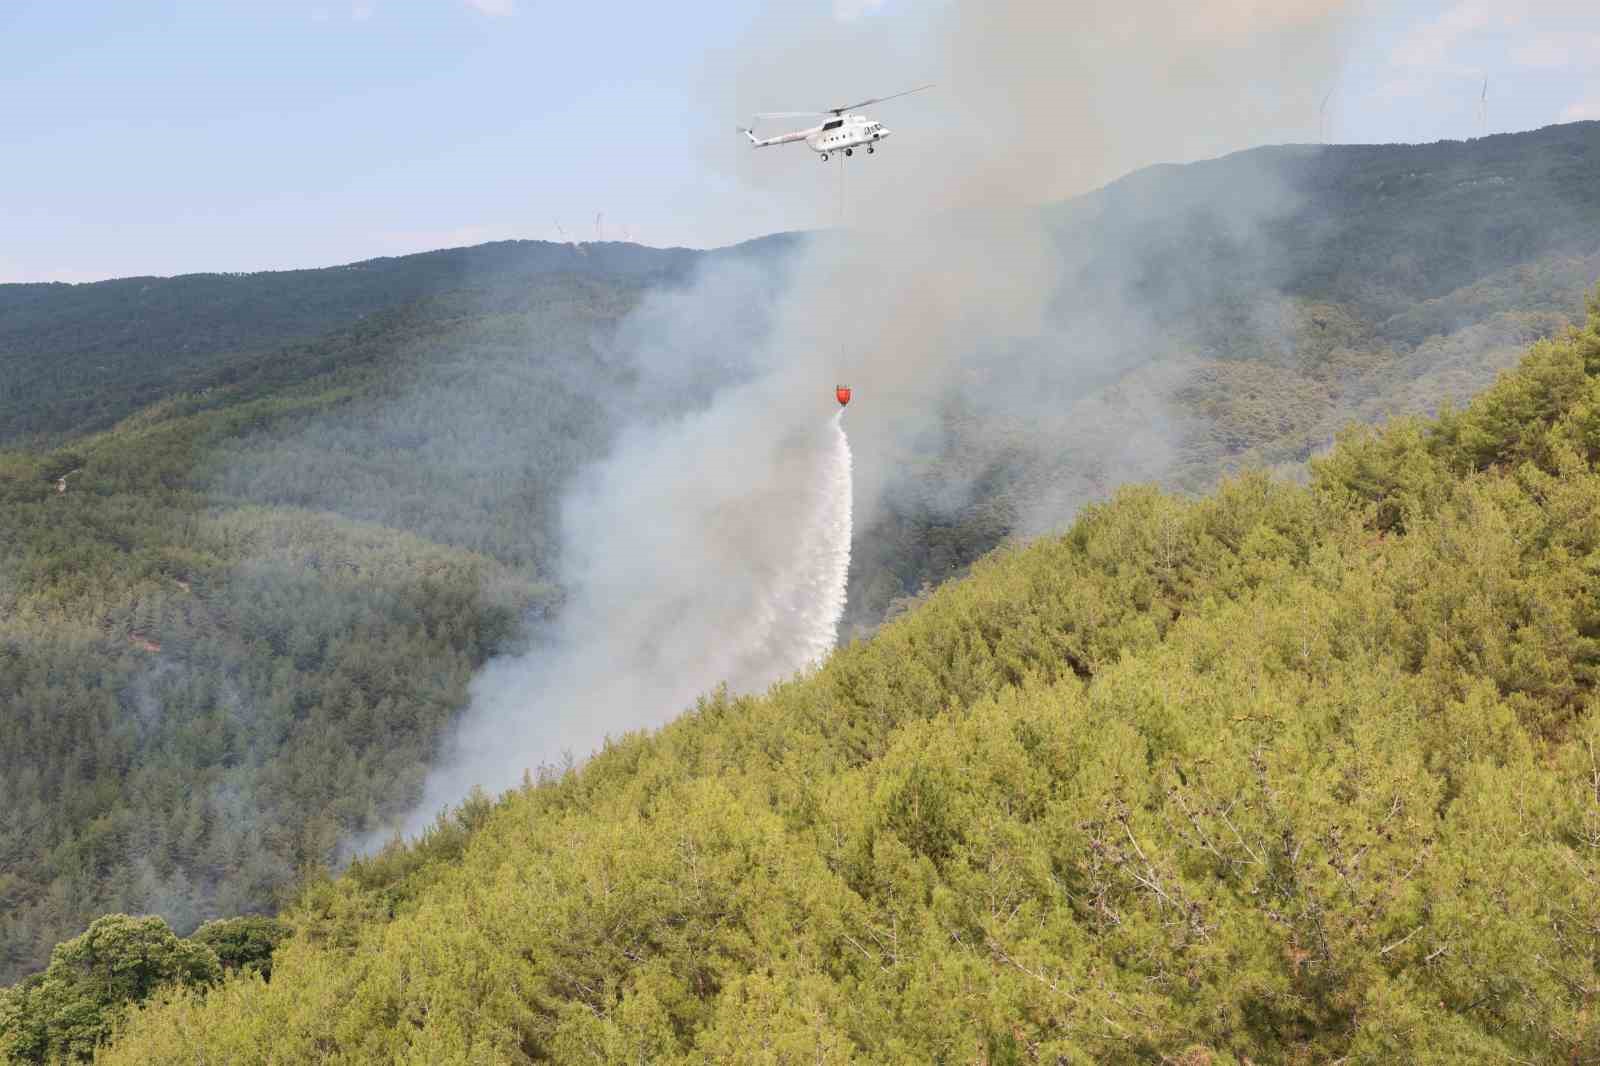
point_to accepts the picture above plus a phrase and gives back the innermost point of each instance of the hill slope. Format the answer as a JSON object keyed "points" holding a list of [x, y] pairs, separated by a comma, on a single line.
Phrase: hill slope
{"points": [[79, 357], [1242, 310], [1283, 774], [214, 668], [394, 438]]}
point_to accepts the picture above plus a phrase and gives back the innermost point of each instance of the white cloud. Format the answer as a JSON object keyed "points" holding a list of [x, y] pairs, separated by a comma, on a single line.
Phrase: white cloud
{"points": [[1429, 45], [1473, 38], [1580, 110], [1545, 52], [362, 10], [499, 8], [1550, 51], [850, 10]]}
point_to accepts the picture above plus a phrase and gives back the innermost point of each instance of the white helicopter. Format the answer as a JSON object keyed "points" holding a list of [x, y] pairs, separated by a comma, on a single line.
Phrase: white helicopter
{"points": [[843, 132]]}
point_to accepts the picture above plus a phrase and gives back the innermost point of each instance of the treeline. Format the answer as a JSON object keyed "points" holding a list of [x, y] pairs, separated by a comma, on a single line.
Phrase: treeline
{"points": [[201, 700], [66, 1012], [1281, 774], [76, 358], [234, 626], [1380, 227]]}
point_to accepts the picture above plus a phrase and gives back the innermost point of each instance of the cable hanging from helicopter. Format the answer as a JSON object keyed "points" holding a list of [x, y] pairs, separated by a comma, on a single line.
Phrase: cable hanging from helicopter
{"points": [[840, 132]]}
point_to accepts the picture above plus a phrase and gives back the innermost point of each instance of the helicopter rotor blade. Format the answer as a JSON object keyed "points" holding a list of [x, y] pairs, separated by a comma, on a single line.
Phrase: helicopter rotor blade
{"points": [[879, 99], [792, 114]]}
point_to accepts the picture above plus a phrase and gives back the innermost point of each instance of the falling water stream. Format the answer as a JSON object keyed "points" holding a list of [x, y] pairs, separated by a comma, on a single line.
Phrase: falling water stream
{"points": [[690, 566]]}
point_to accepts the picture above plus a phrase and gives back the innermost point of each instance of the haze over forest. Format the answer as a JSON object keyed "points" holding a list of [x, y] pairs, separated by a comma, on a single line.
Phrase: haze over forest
{"points": [[292, 562]]}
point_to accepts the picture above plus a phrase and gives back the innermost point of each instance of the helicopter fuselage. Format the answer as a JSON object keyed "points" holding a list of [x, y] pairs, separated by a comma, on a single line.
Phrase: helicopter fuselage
{"points": [[844, 134]]}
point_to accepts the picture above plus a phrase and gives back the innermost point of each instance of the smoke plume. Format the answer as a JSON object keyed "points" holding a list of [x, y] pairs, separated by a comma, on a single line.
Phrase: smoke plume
{"points": [[711, 551], [704, 548]]}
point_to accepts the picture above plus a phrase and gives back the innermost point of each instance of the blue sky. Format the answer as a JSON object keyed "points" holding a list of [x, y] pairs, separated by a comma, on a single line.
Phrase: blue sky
{"points": [[168, 136]]}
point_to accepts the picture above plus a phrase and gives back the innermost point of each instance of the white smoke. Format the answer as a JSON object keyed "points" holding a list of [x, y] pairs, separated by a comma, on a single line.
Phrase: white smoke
{"points": [[712, 551], [704, 550]]}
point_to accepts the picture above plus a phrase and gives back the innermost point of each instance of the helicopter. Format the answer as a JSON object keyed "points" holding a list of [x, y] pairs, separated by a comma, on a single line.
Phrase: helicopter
{"points": [[843, 132]]}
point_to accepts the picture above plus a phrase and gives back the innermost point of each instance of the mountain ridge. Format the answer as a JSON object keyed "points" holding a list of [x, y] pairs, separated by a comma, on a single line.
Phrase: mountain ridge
{"points": [[341, 450]]}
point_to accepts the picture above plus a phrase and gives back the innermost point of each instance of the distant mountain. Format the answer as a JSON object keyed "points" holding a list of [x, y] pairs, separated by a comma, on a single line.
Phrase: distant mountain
{"points": [[78, 357], [1240, 311], [1379, 227], [210, 479]]}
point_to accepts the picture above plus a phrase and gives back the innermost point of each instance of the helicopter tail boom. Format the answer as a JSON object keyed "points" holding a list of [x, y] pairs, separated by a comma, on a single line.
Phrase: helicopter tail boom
{"points": [[786, 138]]}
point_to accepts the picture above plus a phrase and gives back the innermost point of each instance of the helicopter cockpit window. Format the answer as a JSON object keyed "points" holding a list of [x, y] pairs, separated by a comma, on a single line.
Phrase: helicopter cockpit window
{"points": [[835, 124]]}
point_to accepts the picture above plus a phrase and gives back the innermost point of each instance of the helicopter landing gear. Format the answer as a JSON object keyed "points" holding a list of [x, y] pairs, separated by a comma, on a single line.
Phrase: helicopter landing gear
{"points": [[824, 157], [849, 151], [869, 149]]}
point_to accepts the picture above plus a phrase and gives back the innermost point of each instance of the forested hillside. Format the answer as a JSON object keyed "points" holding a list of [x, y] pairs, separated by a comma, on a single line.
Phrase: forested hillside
{"points": [[79, 357], [205, 482], [215, 668], [1251, 306], [1285, 773]]}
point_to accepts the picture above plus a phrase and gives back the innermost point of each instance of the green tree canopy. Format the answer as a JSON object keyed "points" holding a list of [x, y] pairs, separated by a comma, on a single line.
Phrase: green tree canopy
{"points": [[92, 979]]}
